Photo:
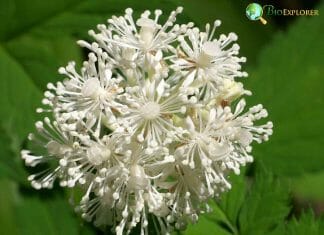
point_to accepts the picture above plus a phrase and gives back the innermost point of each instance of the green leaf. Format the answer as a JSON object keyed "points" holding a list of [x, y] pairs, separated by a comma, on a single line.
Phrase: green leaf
{"points": [[21, 212], [41, 57], [249, 208], [306, 224], [50, 216], [7, 207], [253, 207], [231, 202], [19, 97], [21, 15], [222, 220], [321, 224], [10, 162], [209, 223], [266, 205], [289, 82], [18, 104]]}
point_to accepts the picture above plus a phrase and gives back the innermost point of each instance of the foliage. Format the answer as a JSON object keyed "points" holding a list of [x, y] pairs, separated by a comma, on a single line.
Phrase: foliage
{"points": [[288, 81]]}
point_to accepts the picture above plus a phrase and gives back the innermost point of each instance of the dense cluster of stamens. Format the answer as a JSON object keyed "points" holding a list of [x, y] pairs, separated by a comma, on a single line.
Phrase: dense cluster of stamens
{"points": [[151, 125]]}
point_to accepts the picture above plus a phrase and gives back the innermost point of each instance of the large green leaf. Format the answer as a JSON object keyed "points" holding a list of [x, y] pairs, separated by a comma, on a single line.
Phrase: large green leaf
{"points": [[10, 162], [22, 212], [289, 82], [18, 103], [50, 216], [19, 97], [7, 207], [42, 56]]}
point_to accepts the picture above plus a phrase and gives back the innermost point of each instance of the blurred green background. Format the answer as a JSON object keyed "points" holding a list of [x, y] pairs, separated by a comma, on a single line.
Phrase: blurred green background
{"points": [[282, 192]]}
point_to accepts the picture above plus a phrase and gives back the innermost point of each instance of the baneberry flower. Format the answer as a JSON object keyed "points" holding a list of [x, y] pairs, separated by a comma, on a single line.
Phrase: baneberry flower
{"points": [[150, 127]]}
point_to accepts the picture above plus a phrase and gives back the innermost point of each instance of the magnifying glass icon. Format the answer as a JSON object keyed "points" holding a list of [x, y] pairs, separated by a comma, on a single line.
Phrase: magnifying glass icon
{"points": [[254, 11]]}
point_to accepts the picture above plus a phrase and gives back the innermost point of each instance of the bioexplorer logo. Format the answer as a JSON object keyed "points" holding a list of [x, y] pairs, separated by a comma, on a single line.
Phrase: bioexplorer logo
{"points": [[254, 11]]}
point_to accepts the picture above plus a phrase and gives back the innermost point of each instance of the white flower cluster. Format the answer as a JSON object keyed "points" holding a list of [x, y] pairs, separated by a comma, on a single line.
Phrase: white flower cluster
{"points": [[146, 126]]}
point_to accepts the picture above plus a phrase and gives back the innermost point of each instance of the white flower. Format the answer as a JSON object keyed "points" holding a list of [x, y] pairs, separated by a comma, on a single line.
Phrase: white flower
{"points": [[129, 187], [207, 60], [228, 92], [218, 141], [145, 130], [130, 44], [89, 96], [221, 135], [151, 106], [58, 146]]}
